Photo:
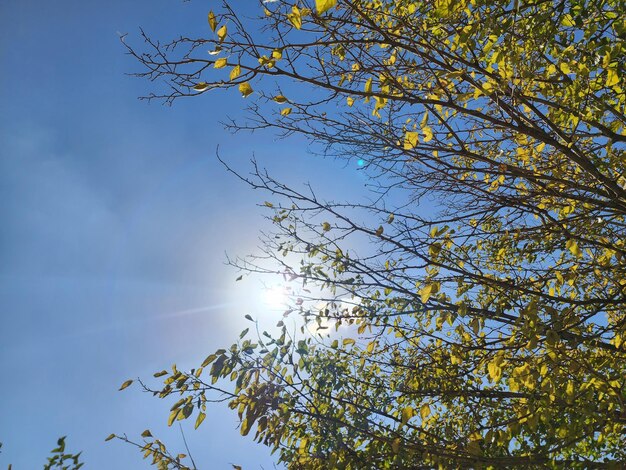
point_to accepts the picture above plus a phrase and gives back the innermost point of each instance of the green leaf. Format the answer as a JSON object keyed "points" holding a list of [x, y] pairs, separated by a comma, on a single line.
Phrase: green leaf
{"points": [[187, 411], [395, 445]]}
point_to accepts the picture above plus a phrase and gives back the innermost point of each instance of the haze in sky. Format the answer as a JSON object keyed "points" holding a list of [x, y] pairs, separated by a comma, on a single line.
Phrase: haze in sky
{"points": [[116, 217]]}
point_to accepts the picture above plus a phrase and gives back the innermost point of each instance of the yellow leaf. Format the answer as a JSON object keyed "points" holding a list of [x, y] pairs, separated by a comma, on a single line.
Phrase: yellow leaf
{"points": [[324, 5], [235, 72], [109, 437], [208, 360], [428, 133], [572, 246], [407, 413], [348, 341], [220, 63], [295, 17], [212, 21], [350, 101], [245, 89], [425, 292], [368, 86], [221, 33], [495, 372], [265, 60], [199, 419], [245, 427], [379, 231], [425, 411], [201, 86], [173, 416], [280, 99], [277, 54], [612, 78], [146, 433], [567, 20], [326, 226], [126, 384], [411, 139], [304, 446], [285, 112]]}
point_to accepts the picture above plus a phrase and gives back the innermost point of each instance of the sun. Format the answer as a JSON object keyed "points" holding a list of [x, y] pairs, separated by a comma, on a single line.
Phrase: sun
{"points": [[275, 297]]}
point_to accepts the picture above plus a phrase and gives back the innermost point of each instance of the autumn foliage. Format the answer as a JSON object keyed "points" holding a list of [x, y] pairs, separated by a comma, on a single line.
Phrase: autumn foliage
{"points": [[485, 324]]}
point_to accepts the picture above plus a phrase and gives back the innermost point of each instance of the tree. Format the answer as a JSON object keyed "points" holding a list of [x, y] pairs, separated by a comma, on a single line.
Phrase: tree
{"points": [[59, 459], [484, 330]]}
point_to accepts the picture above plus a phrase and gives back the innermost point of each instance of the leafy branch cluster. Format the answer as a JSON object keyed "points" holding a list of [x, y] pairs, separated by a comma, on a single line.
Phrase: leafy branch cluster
{"points": [[484, 324]]}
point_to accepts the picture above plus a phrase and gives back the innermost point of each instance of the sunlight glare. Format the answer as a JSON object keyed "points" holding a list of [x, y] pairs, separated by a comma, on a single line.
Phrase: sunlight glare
{"points": [[275, 297]]}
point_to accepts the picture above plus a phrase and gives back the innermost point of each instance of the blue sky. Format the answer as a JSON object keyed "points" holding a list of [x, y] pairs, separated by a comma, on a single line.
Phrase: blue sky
{"points": [[115, 220]]}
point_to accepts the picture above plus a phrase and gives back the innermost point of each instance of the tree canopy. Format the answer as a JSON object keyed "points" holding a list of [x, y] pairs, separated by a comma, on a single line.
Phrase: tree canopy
{"points": [[484, 323]]}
